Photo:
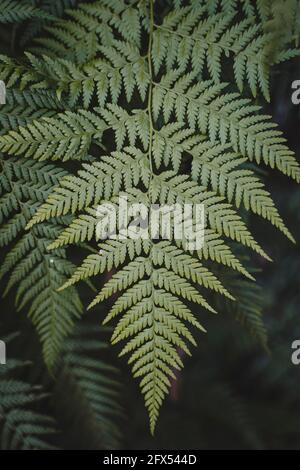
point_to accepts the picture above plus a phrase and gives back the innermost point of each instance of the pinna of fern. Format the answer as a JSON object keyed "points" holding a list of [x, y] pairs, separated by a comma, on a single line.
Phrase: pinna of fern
{"points": [[21, 426], [31, 269], [169, 111], [34, 274], [92, 387], [12, 11], [83, 400]]}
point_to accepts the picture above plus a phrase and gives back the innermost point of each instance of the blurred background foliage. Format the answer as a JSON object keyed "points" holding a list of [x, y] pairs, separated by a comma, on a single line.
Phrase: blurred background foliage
{"points": [[239, 390]]}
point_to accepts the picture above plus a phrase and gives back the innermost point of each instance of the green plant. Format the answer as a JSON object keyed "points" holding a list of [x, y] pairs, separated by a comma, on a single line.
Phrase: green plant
{"points": [[14, 12], [82, 401], [21, 426], [154, 75], [94, 388]]}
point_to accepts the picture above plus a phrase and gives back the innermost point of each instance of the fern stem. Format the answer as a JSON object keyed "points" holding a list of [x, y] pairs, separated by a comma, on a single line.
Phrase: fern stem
{"points": [[149, 108], [153, 416]]}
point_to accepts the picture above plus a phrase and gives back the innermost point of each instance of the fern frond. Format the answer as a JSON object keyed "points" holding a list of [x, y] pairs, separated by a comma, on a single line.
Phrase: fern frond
{"points": [[248, 311], [95, 385], [188, 36], [226, 118], [227, 175], [136, 90], [121, 69], [21, 426], [36, 273], [89, 25], [12, 11], [67, 136], [23, 107]]}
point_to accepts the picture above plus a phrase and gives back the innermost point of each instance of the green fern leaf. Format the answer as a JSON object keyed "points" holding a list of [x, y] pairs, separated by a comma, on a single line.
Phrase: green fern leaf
{"points": [[131, 79], [36, 273]]}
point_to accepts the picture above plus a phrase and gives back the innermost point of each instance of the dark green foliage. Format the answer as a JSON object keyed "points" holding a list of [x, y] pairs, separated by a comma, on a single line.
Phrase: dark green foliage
{"points": [[16, 11], [162, 101], [35, 272], [21, 426], [83, 400], [94, 386]]}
